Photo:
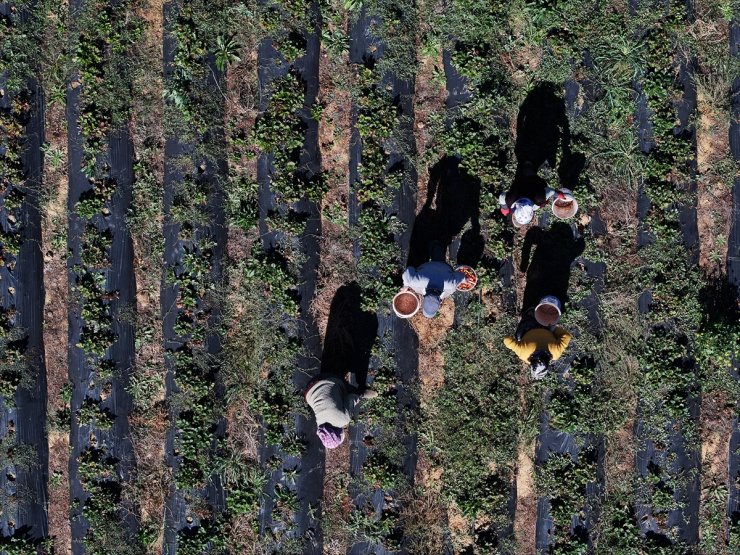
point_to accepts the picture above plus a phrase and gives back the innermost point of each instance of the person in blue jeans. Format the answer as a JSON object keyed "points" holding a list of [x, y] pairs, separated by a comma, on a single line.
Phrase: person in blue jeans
{"points": [[435, 280]]}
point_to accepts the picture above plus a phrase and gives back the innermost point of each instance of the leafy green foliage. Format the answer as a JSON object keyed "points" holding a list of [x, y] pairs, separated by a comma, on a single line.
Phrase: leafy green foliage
{"points": [[475, 419], [102, 508], [104, 39], [271, 272], [13, 364], [563, 481]]}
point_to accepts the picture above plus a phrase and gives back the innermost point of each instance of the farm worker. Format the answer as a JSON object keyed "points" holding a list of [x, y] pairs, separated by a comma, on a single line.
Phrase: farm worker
{"points": [[435, 280], [537, 344], [331, 398], [528, 193]]}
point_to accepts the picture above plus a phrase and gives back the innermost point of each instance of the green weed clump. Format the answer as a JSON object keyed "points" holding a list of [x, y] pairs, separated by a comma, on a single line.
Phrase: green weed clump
{"points": [[563, 480], [13, 185], [103, 506], [378, 121], [208, 37], [13, 363], [280, 131], [104, 37], [474, 422]]}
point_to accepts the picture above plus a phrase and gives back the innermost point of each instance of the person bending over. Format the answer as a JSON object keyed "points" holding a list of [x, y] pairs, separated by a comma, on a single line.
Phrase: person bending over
{"points": [[332, 399], [529, 192], [536, 344], [435, 280]]}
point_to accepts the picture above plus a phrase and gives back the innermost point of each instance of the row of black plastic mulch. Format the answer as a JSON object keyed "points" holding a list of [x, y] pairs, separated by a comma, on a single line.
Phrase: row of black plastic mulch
{"points": [[113, 444], [684, 518], [22, 295], [310, 464], [185, 162], [550, 440], [733, 274], [396, 335]]}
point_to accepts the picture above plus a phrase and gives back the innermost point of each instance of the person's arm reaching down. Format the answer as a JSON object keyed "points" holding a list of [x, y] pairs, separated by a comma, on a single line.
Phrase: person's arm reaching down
{"points": [[412, 279], [562, 339], [455, 279], [522, 350], [502, 204]]}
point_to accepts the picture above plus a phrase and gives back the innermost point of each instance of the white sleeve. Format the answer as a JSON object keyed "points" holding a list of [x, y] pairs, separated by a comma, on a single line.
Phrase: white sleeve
{"points": [[411, 278], [452, 283]]}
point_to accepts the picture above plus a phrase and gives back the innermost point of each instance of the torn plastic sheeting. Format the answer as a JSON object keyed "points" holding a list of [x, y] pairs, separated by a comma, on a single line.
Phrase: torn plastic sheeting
{"points": [[545, 525], [550, 440], [686, 107], [596, 226], [685, 518], [572, 89]]}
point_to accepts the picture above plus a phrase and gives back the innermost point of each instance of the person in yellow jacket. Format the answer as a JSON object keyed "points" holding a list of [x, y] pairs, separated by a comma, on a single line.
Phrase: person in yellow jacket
{"points": [[537, 344]]}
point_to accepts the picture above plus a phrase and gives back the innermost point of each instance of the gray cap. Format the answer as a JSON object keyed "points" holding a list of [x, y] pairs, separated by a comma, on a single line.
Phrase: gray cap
{"points": [[431, 305]]}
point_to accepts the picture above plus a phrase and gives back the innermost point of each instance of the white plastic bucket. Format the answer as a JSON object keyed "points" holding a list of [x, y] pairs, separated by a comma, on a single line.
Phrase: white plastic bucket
{"points": [[566, 207], [547, 313], [471, 278], [406, 303]]}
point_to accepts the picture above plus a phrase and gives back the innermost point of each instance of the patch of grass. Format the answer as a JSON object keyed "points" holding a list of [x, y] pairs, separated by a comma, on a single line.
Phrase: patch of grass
{"points": [[474, 423]]}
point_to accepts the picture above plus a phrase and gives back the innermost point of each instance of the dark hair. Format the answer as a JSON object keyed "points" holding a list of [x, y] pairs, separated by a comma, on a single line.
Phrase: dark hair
{"points": [[540, 356]]}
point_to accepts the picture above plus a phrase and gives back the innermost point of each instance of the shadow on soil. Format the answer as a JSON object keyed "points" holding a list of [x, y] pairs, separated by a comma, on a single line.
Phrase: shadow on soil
{"points": [[453, 199], [548, 269], [542, 130], [350, 335]]}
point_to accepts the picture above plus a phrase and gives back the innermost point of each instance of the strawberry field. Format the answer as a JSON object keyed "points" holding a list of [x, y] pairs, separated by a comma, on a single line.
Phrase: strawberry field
{"points": [[204, 205]]}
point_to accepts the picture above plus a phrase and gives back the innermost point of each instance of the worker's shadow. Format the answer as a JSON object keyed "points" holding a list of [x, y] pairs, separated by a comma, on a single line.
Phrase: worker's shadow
{"points": [[548, 268], [542, 131], [453, 200], [350, 334]]}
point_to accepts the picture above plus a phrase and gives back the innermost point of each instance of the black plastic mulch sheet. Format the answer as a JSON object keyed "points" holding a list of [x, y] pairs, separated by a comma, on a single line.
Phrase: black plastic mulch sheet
{"points": [[461, 186], [119, 283], [22, 290], [686, 462], [310, 465], [733, 272], [397, 335], [550, 440], [180, 517]]}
